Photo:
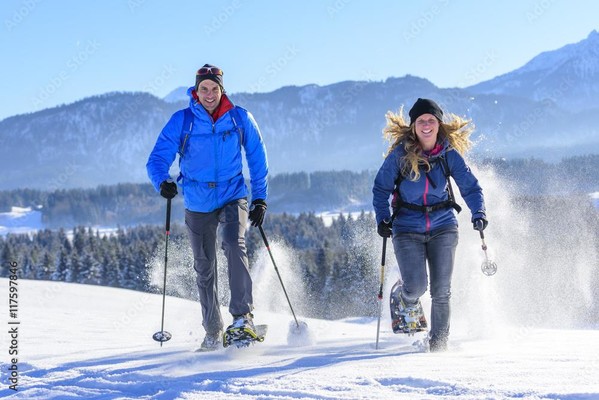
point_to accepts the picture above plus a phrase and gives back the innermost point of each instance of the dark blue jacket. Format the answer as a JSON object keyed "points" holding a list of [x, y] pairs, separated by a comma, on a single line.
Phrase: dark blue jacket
{"points": [[422, 192]]}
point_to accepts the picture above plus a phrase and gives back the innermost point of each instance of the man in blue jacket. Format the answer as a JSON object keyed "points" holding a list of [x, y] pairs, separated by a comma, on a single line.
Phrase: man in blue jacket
{"points": [[209, 137]]}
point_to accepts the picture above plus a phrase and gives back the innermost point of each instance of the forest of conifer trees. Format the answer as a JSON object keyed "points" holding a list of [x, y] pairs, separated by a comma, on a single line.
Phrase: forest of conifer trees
{"points": [[329, 258], [336, 265]]}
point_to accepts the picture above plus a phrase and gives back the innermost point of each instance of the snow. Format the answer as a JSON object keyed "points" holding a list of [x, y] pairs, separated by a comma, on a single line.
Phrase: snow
{"points": [[25, 220], [528, 332], [329, 216], [20, 220], [77, 341]]}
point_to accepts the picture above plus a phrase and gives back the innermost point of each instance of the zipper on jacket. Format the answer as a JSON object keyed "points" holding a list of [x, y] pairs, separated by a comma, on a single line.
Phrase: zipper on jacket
{"points": [[216, 155]]}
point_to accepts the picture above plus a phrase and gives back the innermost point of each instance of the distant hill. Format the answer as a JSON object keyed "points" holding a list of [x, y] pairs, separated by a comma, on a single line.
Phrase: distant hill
{"points": [[546, 110]]}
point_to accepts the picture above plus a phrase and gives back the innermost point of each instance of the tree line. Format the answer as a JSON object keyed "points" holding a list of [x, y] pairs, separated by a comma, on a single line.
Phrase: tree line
{"points": [[128, 204], [333, 262]]}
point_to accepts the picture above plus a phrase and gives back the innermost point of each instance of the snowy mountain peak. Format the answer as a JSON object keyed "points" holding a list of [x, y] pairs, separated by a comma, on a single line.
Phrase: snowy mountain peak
{"points": [[586, 51], [568, 76]]}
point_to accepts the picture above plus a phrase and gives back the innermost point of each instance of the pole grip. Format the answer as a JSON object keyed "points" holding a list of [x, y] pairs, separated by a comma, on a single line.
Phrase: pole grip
{"points": [[168, 216], [384, 255]]}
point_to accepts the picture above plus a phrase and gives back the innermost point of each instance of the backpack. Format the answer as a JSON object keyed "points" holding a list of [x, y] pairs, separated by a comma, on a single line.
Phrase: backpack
{"points": [[397, 203], [188, 127]]}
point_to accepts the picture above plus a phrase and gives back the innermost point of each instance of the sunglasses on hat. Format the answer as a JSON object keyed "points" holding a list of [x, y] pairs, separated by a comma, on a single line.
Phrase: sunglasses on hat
{"points": [[210, 71]]}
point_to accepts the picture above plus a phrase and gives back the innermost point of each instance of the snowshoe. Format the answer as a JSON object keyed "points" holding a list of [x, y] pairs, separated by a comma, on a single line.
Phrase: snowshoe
{"points": [[242, 332], [405, 319]]}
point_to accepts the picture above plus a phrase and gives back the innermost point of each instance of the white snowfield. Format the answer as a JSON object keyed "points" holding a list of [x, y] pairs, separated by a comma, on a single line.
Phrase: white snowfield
{"points": [[76, 341]]}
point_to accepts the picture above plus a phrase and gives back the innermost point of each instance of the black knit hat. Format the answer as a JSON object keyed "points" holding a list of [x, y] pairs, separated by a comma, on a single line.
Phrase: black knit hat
{"points": [[425, 106], [211, 72]]}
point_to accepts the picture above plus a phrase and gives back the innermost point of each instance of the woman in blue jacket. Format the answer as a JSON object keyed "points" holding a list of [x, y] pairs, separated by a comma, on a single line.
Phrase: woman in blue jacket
{"points": [[209, 137], [422, 156]]}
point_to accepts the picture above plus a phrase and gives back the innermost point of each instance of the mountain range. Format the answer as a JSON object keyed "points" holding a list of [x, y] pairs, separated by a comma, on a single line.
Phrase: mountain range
{"points": [[545, 109]]}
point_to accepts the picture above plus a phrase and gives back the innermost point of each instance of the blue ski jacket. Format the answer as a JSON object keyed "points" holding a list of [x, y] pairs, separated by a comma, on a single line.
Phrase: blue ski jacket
{"points": [[210, 157], [429, 189]]}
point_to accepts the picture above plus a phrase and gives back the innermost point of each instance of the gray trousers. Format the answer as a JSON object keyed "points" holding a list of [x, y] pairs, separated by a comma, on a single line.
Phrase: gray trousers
{"points": [[413, 251], [202, 230]]}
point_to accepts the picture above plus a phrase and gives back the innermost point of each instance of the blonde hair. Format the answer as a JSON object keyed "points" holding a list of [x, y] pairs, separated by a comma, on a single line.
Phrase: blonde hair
{"points": [[456, 130]]}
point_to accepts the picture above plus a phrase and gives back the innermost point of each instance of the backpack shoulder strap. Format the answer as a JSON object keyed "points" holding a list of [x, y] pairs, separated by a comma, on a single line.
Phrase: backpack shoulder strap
{"points": [[396, 201], [445, 166], [237, 122], [185, 130], [447, 172]]}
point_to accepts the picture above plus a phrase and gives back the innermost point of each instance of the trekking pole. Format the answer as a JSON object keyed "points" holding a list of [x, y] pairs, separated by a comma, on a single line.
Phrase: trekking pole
{"points": [[162, 335], [278, 274], [380, 295], [488, 267]]}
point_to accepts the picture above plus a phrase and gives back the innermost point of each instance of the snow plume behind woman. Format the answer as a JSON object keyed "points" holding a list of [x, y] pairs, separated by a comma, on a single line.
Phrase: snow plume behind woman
{"points": [[546, 248]]}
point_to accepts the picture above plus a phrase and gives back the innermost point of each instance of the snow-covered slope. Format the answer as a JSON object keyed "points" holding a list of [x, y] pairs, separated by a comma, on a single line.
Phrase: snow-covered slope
{"points": [[20, 220], [568, 76], [77, 341]]}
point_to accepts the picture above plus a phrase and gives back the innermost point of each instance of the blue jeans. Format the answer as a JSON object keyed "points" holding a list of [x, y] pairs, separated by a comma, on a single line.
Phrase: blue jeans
{"points": [[413, 251], [202, 230]]}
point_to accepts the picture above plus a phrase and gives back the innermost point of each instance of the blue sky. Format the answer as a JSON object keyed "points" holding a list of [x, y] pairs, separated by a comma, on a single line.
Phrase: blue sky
{"points": [[56, 52]]}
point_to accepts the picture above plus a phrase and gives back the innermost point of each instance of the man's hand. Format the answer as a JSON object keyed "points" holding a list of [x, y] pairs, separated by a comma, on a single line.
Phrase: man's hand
{"points": [[257, 211], [168, 189]]}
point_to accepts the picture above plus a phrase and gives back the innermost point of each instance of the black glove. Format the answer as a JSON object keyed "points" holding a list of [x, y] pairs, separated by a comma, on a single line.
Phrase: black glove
{"points": [[168, 189], [480, 224], [257, 211], [384, 229]]}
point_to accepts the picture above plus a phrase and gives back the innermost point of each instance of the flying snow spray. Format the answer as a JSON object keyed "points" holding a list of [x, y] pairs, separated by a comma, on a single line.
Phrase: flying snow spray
{"points": [[488, 267]]}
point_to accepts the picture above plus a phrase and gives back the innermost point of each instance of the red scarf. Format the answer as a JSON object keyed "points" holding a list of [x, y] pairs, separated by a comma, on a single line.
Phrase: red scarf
{"points": [[224, 105], [435, 150]]}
